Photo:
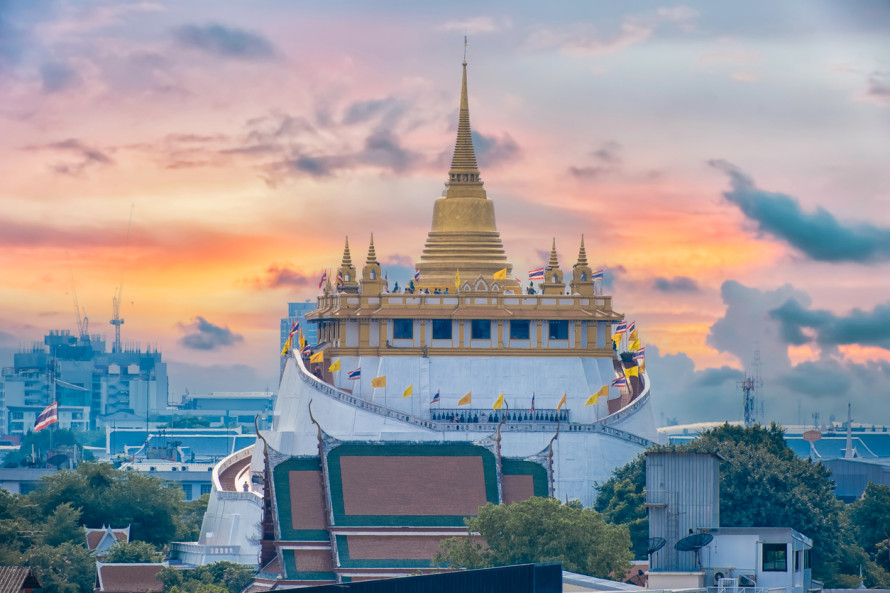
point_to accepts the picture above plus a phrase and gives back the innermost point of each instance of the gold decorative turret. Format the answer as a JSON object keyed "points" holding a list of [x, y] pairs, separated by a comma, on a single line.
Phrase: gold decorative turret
{"points": [[582, 274], [347, 272], [553, 283], [464, 235], [372, 281]]}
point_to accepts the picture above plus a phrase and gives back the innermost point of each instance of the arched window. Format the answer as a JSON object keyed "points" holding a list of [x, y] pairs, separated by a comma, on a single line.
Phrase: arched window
{"points": [[373, 275], [553, 279], [583, 277]]}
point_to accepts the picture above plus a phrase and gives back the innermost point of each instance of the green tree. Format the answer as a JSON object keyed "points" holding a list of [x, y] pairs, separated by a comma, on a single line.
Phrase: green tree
{"points": [[621, 500], [543, 530], [66, 568], [134, 552], [219, 577], [188, 528], [148, 504], [63, 525], [870, 521]]}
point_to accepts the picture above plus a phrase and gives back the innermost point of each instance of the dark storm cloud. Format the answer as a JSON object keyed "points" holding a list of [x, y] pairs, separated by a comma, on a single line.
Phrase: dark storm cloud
{"points": [[830, 330], [58, 76], [675, 284], [493, 150], [226, 42], [717, 377], [200, 334], [818, 379], [818, 235]]}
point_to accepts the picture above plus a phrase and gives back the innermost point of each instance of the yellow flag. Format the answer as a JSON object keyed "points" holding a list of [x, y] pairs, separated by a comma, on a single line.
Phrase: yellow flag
{"points": [[335, 366], [302, 340], [286, 347], [501, 275], [616, 338], [562, 402], [635, 345], [379, 381], [317, 357], [409, 391], [467, 399], [498, 403], [632, 372], [603, 392], [634, 335], [643, 366]]}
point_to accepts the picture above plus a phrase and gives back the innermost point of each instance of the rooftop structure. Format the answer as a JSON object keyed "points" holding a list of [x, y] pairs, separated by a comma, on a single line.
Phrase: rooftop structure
{"points": [[417, 407]]}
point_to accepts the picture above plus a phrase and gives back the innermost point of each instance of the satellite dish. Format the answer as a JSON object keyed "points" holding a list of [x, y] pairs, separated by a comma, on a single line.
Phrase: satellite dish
{"points": [[694, 542], [655, 544]]}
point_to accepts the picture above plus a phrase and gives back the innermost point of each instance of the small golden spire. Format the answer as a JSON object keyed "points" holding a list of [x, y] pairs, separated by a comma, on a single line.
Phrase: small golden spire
{"points": [[463, 178], [553, 261], [347, 258], [372, 255], [582, 254]]}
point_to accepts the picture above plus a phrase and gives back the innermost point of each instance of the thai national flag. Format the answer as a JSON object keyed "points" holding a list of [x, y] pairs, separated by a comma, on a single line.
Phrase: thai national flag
{"points": [[354, 375], [631, 327], [640, 354], [536, 274], [436, 399], [598, 275], [307, 350], [324, 278], [621, 328], [619, 382], [416, 274], [532, 409], [49, 415], [294, 329]]}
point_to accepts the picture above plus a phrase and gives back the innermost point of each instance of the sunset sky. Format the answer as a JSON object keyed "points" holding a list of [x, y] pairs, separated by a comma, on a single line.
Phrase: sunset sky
{"points": [[727, 163]]}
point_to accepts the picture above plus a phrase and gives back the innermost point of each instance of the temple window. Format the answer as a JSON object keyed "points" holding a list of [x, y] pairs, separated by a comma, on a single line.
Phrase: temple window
{"points": [[403, 329], [519, 329], [583, 277], [442, 329], [554, 279], [373, 275], [559, 330], [480, 329]]}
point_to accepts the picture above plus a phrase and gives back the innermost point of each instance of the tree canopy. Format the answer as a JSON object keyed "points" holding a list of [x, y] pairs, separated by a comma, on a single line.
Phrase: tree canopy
{"points": [[219, 577], [133, 552], [541, 530]]}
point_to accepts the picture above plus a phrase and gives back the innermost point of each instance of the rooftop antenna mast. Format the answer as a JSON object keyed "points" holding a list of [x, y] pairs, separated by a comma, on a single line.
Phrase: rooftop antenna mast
{"points": [[116, 319], [749, 385]]}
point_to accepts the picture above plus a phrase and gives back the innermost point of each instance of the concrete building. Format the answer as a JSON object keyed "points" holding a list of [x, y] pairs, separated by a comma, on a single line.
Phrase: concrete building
{"points": [[79, 373], [695, 552]]}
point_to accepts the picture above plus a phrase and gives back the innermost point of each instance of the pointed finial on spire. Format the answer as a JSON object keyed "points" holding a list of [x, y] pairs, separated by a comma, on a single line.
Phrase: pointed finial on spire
{"points": [[582, 254], [372, 254], [347, 258], [463, 178], [553, 261]]}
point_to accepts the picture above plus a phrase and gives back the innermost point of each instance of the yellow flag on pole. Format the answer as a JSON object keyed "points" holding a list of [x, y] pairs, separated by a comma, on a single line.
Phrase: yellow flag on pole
{"points": [[317, 357], [467, 399], [632, 372], [501, 274], [562, 402], [635, 345], [498, 403], [616, 338], [634, 335], [335, 366], [603, 392], [286, 347], [379, 381], [302, 339], [409, 391]]}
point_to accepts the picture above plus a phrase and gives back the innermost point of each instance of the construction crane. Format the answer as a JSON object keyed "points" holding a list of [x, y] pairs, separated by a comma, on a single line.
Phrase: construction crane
{"points": [[80, 315], [116, 319]]}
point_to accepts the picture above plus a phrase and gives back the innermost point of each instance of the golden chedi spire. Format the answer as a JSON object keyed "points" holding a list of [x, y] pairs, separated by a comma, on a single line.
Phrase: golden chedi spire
{"points": [[372, 281], [553, 283], [347, 274], [582, 274], [464, 235]]}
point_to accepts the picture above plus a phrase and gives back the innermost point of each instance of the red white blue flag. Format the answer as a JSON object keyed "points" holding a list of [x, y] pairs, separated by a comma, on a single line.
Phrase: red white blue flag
{"points": [[621, 328], [536, 274], [619, 382], [598, 275], [640, 354], [49, 415], [416, 274], [436, 399], [532, 409], [631, 327], [324, 278], [354, 375]]}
